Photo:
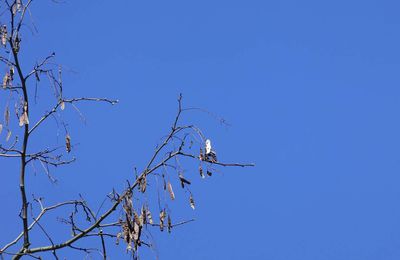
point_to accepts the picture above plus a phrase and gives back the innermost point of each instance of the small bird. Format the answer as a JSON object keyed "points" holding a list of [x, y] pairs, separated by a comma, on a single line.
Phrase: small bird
{"points": [[211, 155]]}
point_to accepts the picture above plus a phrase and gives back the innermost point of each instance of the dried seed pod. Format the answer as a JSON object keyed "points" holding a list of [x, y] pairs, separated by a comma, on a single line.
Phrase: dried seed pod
{"points": [[143, 184], [23, 120], [143, 219], [201, 172], [8, 135], [17, 44], [12, 72], [136, 218], [171, 191], [6, 80], [7, 116], [191, 200], [169, 223], [162, 217], [68, 143], [148, 216], [18, 4], [201, 156], [62, 105], [118, 238], [4, 35]]}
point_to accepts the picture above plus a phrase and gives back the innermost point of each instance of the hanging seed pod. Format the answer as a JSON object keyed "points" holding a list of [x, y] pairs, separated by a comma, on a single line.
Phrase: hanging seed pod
{"points": [[169, 223], [143, 184], [7, 116], [4, 35], [162, 217], [191, 200], [12, 72], [8, 135], [118, 238], [201, 156], [68, 143], [17, 44], [171, 191], [23, 120], [148, 216], [201, 172], [18, 4], [62, 105], [143, 216], [6, 80]]}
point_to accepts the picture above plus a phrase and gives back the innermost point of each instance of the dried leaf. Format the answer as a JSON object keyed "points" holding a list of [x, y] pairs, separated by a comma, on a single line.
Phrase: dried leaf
{"points": [[169, 224], [68, 143], [8, 135], [171, 191], [62, 105], [191, 200]]}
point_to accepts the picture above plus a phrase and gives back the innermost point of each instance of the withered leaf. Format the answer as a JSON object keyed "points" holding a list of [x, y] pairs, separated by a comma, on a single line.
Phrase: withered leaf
{"points": [[191, 200], [171, 191], [68, 143]]}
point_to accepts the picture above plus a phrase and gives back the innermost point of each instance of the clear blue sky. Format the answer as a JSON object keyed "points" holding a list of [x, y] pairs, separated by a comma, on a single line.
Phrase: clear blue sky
{"points": [[310, 88]]}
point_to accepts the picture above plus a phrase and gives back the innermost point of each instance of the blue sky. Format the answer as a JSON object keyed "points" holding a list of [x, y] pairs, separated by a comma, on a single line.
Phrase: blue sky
{"points": [[310, 89]]}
